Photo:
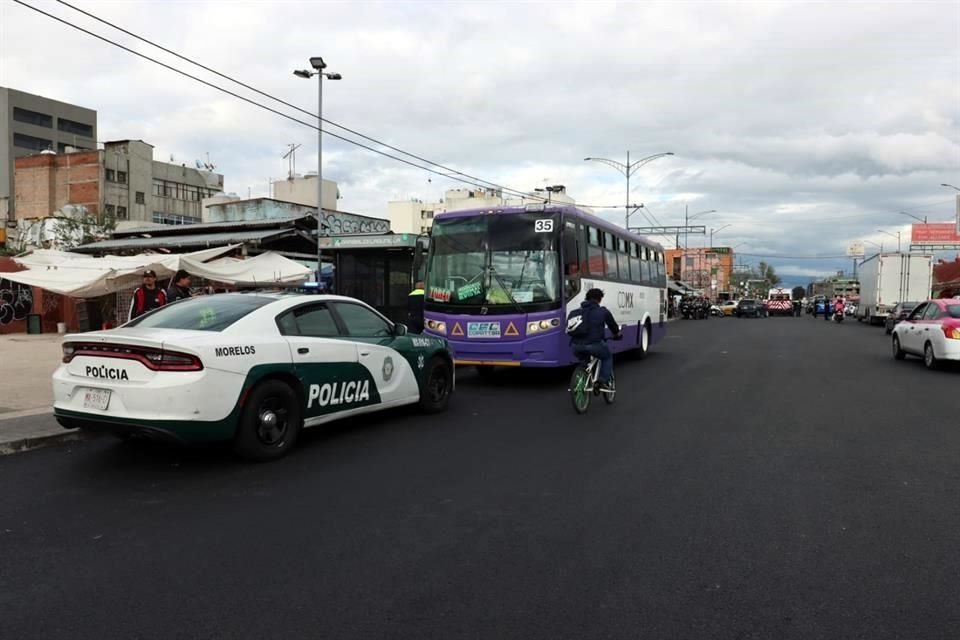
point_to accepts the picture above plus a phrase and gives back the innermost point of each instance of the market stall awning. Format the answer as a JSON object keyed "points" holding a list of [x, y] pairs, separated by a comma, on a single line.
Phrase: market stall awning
{"points": [[255, 236], [86, 277]]}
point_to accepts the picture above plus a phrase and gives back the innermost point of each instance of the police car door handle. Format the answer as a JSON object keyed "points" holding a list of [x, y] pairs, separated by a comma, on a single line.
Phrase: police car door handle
{"points": [[364, 353], [303, 350]]}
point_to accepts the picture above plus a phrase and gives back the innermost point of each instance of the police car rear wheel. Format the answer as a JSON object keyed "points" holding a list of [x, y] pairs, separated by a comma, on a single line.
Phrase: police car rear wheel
{"points": [[270, 421], [437, 385]]}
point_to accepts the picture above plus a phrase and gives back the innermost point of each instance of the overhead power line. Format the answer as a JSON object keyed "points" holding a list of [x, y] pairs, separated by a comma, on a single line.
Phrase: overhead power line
{"points": [[466, 179], [280, 100]]}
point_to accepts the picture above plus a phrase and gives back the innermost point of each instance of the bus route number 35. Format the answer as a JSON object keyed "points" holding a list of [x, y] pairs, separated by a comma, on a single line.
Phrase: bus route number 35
{"points": [[543, 226]]}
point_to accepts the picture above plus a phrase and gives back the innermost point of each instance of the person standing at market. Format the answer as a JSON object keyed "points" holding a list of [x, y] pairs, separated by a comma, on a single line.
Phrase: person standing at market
{"points": [[147, 297], [179, 288]]}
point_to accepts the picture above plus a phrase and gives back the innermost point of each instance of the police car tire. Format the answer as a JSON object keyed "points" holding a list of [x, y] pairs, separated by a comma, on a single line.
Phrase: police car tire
{"points": [[247, 443], [436, 367]]}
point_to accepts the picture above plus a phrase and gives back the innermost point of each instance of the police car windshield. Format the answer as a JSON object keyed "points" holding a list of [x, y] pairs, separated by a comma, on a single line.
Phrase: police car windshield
{"points": [[203, 313]]}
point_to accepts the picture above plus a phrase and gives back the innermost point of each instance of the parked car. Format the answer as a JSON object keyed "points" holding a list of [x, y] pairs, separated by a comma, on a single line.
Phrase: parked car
{"points": [[748, 308], [932, 331], [729, 307], [251, 368], [899, 314]]}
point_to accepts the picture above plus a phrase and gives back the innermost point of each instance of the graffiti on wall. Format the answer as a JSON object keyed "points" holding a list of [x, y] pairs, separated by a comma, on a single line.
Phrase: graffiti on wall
{"points": [[16, 301], [337, 223]]}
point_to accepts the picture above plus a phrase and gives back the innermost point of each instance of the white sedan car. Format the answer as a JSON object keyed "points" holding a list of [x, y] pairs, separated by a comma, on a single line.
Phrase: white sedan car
{"points": [[251, 368], [932, 330]]}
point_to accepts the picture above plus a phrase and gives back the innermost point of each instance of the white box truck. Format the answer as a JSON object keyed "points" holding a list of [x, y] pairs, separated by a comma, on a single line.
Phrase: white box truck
{"points": [[889, 278]]}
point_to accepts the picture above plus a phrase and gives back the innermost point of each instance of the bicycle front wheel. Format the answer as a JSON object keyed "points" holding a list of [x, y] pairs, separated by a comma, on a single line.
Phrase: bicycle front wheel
{"points": [[580, 389], [610, 396]]}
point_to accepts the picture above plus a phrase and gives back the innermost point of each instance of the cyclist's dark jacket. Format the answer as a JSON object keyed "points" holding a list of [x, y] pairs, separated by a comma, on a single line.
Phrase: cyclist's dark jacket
{"points": [[594, 318]]}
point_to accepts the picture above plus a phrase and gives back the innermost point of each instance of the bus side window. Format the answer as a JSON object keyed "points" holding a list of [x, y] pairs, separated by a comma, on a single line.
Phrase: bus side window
{"points": [[595, 262], [624, 261], [573, 259]]}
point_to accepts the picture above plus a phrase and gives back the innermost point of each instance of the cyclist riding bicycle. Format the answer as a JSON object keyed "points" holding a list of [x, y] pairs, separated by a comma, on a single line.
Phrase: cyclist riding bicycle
{"points": [[585, 327]]}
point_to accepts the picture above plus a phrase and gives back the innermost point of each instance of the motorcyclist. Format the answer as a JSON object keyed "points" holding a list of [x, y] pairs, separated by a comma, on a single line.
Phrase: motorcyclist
{"points": [[590, 340], [838, 306]]}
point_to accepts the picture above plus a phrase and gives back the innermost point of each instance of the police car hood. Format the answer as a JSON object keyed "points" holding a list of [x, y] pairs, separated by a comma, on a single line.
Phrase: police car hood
{"points": [[145, 337]]}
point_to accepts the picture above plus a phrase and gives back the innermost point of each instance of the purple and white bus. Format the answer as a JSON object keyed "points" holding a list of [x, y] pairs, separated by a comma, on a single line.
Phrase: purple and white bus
{"points": [[500, 282]]}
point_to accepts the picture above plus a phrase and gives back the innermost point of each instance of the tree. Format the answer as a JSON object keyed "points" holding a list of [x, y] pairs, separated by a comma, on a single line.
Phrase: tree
{"points": [[799, 293], [768, 273]]}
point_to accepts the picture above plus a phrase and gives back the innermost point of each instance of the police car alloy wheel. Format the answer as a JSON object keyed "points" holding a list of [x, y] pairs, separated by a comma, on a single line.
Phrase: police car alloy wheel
{"points": [[437, 385], [270, 422]]}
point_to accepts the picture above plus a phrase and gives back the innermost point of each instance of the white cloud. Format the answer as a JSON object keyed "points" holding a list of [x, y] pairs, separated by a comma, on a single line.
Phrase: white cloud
{"points": [[806, 125]]}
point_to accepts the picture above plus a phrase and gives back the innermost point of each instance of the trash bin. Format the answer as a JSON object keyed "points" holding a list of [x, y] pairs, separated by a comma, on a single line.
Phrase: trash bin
{"points": [[34, 325]]}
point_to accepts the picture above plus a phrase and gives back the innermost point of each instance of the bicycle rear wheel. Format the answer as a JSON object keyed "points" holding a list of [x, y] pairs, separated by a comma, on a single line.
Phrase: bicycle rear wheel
{"points": [[608, 396], [580, 389]]}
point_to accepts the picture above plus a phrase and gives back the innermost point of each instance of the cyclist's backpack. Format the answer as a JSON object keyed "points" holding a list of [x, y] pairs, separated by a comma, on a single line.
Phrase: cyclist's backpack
{"points": [[576, 327]]}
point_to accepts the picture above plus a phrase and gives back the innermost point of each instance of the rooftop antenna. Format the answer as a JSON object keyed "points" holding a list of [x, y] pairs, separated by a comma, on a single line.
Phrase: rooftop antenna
{"points": [[291, 157]]}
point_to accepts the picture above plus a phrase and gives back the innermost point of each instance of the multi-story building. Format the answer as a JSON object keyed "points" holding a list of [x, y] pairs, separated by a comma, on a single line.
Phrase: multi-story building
{"points": [[122, 181], [705, 268], [416, 216], [834, 286], [303, 190], [30, 124]]}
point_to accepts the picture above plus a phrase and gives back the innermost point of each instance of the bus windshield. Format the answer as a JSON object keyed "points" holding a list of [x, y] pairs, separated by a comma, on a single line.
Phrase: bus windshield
{"points": [[494, 259]]}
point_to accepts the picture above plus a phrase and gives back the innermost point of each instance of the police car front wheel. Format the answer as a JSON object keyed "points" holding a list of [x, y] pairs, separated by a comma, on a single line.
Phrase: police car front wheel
{"points": [[437, 385], [269, 422]]}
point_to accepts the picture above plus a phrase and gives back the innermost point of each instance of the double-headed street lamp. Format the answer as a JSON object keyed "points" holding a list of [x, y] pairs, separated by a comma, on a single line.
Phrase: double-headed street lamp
{"points": [[897, 236], [318, 70], [628, 169], [944, 184]]}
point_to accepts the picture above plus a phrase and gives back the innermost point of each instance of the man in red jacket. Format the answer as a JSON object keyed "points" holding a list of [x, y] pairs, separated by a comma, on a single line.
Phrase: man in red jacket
{"points": [[148, 297]]}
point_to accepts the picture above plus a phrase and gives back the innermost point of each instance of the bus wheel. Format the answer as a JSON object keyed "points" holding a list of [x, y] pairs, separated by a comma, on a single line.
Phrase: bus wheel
{"points": [[643, 342]]}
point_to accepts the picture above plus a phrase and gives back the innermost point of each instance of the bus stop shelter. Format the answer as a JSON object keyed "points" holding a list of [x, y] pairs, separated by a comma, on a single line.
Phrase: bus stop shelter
{"points": [[376, 269]]}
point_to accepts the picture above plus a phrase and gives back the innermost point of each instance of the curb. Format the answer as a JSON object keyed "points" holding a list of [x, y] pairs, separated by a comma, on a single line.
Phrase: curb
{"points": [[36, 442]]}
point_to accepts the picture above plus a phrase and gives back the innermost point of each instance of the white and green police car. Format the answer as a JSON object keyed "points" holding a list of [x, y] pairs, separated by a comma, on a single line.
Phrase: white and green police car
{"points": [[251, 368]]}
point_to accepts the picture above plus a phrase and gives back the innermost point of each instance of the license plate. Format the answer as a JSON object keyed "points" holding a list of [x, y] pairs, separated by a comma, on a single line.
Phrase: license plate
{"points": [[483, 329], [98, 399]]}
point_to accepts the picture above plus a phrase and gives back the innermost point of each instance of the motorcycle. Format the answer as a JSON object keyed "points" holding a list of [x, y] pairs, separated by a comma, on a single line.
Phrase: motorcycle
{"points": [[838, 316]]}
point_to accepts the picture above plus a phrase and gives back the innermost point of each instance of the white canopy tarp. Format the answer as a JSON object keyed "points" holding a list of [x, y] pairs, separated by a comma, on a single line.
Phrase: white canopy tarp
{"points": [[84, 277], [264, 269]]}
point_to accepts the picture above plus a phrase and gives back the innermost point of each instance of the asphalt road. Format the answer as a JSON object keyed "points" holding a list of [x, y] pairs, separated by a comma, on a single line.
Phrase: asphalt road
{"points": [[775, 478]]}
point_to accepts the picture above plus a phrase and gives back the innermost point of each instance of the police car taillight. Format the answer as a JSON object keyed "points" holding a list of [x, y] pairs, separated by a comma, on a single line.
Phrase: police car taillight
{"points": [[154, 359], [173, 361]]}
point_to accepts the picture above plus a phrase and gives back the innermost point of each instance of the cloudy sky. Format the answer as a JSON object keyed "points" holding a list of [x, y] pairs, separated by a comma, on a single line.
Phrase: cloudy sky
{"points": [[805, 125]]}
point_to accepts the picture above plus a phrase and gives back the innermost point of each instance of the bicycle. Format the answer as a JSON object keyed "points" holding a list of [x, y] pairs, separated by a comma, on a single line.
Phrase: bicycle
{"points": [[583, 385], [583, 382]]}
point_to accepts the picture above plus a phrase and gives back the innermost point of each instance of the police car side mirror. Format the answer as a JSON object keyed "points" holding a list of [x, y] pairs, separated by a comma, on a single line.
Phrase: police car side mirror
{"points": [[400, 329]]}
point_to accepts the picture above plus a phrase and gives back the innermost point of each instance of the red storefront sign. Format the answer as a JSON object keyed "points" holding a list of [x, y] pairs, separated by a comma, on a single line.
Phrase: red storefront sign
{"points": [[936, 233]]}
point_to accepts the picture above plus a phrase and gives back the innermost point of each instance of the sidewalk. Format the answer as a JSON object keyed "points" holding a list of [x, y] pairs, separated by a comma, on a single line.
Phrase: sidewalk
{"points": [[26, 365]]}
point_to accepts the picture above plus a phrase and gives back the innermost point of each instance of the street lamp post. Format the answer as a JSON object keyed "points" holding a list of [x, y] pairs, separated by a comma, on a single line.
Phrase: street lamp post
{"points": [[628, 170], [910, 215], [715, 231], [944, 184], [318, 70], [897, 236]]}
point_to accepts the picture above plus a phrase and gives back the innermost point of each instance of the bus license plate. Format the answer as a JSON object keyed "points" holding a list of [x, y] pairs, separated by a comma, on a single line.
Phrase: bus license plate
{"points": [[483, 329], [98, 399]]}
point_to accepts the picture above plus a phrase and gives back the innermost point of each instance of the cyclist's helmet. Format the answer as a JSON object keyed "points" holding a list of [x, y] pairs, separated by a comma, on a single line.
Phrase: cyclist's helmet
{"points": [[595, 294]]}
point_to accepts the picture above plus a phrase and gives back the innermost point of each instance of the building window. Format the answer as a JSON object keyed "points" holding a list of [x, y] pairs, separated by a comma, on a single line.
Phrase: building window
{"points": [[32, 117], [30, 142], [78, 128], [122, 177], [171, 218], [141, 197], [111, 175], [110, 209], [121, 213]]}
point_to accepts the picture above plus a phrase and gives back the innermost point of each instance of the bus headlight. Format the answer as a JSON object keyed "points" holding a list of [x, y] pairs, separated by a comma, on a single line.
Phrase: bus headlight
{"points": [[438, 326], [533, 327], [539, 326]]}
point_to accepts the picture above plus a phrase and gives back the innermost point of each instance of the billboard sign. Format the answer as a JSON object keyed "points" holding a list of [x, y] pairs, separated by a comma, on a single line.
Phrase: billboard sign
{"points": [[855, 249], [938, 233]]}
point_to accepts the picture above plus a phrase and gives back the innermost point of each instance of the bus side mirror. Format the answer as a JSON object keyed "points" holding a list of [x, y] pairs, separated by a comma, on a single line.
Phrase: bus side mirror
{"points": [[419, 253]]}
